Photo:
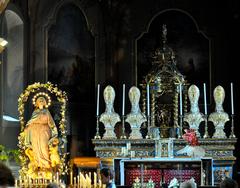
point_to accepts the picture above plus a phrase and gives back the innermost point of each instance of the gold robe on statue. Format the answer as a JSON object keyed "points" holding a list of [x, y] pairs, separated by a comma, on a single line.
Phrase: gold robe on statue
{"points": [[39, 133]]}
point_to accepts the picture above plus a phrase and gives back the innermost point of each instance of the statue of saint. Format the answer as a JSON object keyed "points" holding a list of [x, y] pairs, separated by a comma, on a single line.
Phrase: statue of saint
{"points": [[194, 117], [163, 117], [219, 117], [41, 139], [109, 118], [135, 118]]}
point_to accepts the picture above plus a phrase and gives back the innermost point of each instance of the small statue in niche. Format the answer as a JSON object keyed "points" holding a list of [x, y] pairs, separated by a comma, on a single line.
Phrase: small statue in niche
{"points": [[135, 118], [219, 117], [163, 117], [194, 117], [109, 118]]}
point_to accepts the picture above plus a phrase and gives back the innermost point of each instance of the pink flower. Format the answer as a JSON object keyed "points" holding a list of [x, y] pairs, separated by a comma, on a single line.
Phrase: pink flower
{"points": [[191, 137]]}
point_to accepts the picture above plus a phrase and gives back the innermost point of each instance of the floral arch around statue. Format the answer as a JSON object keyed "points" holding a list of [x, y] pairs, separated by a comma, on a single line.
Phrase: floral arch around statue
{"points": [[41, 142]]}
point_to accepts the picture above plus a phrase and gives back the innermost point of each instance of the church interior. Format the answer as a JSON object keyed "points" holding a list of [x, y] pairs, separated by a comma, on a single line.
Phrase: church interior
{"points": [[148, 90]]}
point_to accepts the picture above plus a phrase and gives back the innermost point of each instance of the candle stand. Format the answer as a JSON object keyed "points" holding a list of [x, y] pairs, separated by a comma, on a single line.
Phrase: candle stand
{"points": [[206, 127], [97, 136], [232, 135], [123, 136], [180, 126]]}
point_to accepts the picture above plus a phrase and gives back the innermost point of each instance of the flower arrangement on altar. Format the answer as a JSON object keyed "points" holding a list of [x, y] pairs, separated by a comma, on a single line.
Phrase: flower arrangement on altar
{"points": [[192, 149], [191, 137]]}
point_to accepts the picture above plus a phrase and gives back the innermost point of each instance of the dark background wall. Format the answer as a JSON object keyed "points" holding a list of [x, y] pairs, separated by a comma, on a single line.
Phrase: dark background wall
{"points": [[114, 26]]}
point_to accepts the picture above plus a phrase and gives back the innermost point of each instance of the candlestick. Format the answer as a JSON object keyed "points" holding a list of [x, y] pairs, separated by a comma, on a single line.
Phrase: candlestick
{"points": [[97, 136], [232, 105], [123, 136], [232, 135], [180, 96], [148, 113], [206, 127], [205, 111], [180, 129], [98, 92], [205, 99], [148, 101], [123, 100], [149, 136]]}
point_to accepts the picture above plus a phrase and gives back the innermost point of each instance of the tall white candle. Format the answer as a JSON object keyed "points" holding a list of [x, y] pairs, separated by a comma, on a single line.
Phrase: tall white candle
{"points": [[123, 100], [232, 105], [71, 178], [148, 101], [81, 179], [180, 95], [16, 183], [95, 179], [78, 180], [57, 178], [98, 92], [99, 183], [205, 99], [90, 179], [74, 181]]}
